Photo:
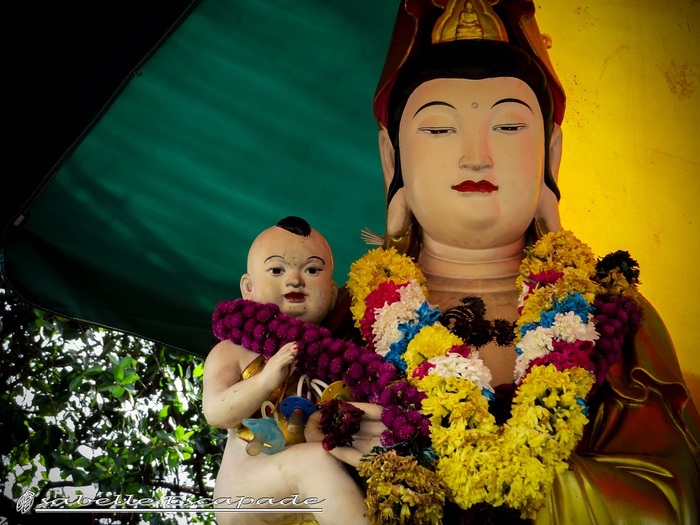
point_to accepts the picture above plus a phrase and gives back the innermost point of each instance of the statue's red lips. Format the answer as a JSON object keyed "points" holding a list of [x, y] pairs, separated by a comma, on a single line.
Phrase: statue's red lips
{"points": [[294, 297], [470, 186]]}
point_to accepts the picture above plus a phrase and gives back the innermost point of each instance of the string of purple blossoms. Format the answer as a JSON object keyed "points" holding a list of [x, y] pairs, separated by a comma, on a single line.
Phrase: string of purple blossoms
{"points": [[263, 329]]}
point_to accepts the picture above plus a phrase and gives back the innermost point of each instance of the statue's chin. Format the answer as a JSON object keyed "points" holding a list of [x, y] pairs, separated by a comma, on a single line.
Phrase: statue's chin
{"points": [[478, 238], [475, 230]]}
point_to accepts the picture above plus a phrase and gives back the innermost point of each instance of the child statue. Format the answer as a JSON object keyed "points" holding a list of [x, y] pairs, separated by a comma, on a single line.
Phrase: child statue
{"points": [[290, 265]]}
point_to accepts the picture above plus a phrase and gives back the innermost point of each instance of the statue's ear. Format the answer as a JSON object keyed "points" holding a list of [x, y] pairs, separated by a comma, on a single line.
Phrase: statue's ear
{"points": [[547, 213], [398, 215], [555, 151], [247, 286], [334, 294]]}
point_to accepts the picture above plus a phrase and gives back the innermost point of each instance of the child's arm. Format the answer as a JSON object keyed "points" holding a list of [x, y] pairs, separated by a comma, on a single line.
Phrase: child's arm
{"points": [[226, 400]]}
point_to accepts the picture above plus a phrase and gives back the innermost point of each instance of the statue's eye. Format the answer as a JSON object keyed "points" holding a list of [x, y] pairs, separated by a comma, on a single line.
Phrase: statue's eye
{"points": [[509, 128], [435, 130], [276, 270]]}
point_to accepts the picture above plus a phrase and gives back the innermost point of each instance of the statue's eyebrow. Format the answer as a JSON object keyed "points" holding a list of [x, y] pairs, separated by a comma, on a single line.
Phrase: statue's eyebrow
{"points": [[516, 100], [433, 103]]}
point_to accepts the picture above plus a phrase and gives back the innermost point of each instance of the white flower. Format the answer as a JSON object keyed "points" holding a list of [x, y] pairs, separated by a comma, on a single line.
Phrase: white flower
{"points": [[570, 327], [385, 328], [535, 343], [524, 292], [412, 293], [471, 368], [389, 317]]}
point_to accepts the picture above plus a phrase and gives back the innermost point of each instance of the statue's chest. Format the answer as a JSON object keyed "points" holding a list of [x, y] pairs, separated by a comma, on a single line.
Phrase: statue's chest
{"points": [[486, 323]]}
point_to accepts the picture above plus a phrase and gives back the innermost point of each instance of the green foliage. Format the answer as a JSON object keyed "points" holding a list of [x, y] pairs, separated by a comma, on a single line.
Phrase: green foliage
{"points": [[102, 409]]}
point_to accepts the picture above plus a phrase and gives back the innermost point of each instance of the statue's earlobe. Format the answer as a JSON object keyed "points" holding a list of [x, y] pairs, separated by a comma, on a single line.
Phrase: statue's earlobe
{"points": [[387, 156], [555, 151], [398, 215], [547, 214]]}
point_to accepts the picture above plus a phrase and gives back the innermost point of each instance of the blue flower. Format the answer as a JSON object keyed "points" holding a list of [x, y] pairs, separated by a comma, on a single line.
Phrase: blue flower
{"points": [[409, 329], [426, 315], [526, 328], [488, 394], [394, 356], [547, 318], [581, 402], [574, 302]]}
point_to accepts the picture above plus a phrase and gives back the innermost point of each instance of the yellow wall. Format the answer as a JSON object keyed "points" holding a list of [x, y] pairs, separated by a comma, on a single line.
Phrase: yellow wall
{"points": [[630, 176]]}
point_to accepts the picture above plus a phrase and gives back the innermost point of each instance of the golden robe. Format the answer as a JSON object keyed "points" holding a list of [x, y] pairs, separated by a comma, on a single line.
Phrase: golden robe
{"points": [[639, 460]]}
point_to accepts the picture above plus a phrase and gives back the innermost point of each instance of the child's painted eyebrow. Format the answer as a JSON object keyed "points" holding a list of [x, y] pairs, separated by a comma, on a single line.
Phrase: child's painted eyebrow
{"points": [[310, 258]]}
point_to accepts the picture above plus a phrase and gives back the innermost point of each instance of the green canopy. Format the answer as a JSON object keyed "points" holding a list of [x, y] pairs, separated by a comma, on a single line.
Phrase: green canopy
{"points": [[236, 114]]}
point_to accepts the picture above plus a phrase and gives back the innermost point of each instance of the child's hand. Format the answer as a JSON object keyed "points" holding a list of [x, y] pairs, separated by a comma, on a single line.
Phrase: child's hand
{"points": [[276, 369]]}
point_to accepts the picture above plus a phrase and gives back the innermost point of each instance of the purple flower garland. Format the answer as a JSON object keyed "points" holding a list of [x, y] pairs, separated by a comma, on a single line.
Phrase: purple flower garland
{"points": [[263, 329]]}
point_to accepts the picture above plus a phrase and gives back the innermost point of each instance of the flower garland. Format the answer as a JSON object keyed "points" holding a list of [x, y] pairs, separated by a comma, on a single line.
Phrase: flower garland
{"points": [[575, 313], [263, 329], [400, 491], [435, 391]]}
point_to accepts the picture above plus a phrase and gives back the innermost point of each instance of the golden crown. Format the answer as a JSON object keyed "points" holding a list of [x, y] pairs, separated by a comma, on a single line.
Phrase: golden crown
{"points": [[468, 20]]}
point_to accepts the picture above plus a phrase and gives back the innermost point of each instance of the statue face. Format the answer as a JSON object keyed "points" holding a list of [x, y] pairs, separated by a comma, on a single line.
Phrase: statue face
{"points": [[291, 271], [472, 158]]}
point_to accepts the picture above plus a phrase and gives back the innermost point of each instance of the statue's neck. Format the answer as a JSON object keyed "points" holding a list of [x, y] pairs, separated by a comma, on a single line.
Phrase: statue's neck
{"points": [[448, 263]]}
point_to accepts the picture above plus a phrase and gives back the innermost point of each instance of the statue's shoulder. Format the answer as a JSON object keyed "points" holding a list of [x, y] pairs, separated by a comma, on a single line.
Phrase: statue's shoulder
{"points": [[653, 349], [649, 362]]}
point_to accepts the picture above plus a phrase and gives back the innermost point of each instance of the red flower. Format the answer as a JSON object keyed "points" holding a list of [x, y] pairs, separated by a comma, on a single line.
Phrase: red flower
{"points": [[384, 294], [545, 277], [339, 421]]}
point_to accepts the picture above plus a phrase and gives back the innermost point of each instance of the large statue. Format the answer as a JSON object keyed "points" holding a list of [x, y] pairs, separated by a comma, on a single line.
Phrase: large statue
{"points": [[470, 111], [518, 378]]}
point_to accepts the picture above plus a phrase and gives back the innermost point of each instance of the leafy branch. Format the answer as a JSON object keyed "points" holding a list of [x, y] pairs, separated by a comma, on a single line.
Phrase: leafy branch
{"points": [[86, 408]]}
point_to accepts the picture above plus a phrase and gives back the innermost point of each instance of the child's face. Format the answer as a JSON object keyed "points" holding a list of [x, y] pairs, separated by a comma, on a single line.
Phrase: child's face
{"points": [[293, 272]]}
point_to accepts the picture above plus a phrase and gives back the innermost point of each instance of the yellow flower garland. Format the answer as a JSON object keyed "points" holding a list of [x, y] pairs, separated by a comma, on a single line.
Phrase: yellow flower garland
{"points": [[479, 461], [431, 341], [376, 267], [402, 492]]}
